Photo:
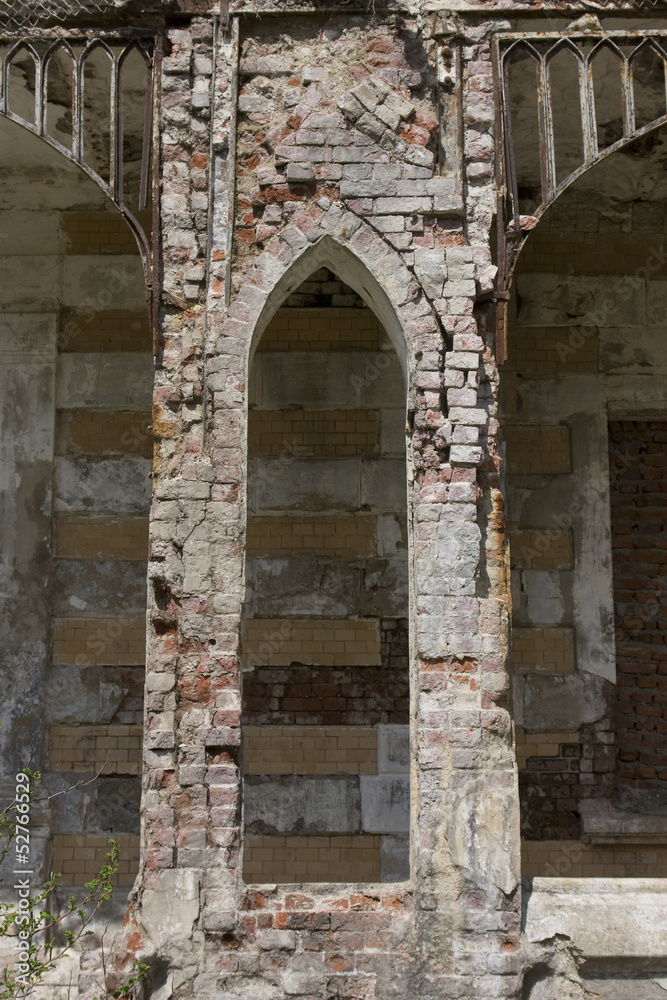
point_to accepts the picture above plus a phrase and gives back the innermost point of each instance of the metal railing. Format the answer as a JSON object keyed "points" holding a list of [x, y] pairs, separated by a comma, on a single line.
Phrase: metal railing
{"points": [[565, 101]]}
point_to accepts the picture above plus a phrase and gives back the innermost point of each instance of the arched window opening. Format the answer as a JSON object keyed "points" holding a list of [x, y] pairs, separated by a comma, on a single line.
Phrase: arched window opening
{"points": [[76, 369], [325, 651], [585, 424]]}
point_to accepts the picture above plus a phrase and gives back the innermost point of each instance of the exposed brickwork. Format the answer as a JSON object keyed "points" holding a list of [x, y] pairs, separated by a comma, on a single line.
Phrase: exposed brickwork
{"points": [[424, 257], [573, 859], [101, 232], [311, 858], [104, 432], [99, 641], [88, 538], [314, 432], [103, 749], [546, 351], [537, 450], [557, 770], [79, 857], [585, 252], [309, 750], [638, 468], [108, 330], [324, 289], [543, 650], [332, 329], [274, 642], [329, 697], [340, 537], [546, 548]]}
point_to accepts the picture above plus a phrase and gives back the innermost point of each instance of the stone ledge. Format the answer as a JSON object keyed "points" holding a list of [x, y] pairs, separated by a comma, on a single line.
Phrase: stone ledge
{"points": [[602, 823], [604, 917]]}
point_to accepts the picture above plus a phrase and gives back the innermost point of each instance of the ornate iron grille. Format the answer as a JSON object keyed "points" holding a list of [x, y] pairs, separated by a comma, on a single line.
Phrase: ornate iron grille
{"points": [[92, 101], [22, 15], [566, 102], [29, 13]]}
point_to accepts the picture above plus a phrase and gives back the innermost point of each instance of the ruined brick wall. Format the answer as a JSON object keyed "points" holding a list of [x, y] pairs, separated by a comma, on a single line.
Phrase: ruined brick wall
{"points": [[585, 341], [342, 164], [637, 462], [335, 167]]}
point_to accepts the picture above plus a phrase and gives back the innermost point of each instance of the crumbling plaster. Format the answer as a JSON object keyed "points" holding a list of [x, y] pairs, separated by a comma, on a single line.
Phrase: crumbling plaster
{"points": [[417, 247]]}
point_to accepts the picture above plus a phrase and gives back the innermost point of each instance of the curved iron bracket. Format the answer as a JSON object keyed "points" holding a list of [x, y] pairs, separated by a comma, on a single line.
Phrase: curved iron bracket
{"points": [[38, 51]]}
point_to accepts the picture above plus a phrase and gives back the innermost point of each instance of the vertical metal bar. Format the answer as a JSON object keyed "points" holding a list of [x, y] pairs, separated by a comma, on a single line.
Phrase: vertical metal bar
{"points": [[115, 120], [155, 242], [545, 117], [501, 239], [39, 95], [146, 139], [509, 153], [5, 84], [588, 116], [628, 99], [77, 111], [231, 155], [210, 227]]}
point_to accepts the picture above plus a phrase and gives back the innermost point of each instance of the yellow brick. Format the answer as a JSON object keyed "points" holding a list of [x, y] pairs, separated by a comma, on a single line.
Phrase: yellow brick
{"points": [[543, 650], [548, 548], [331, 329], [105, 432], [537, 450], [280, 642], [89, 538]]}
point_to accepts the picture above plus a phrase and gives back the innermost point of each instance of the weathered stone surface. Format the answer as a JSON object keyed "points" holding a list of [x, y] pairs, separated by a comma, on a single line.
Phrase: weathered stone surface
{"points": [[302, 804], [385, 803]]}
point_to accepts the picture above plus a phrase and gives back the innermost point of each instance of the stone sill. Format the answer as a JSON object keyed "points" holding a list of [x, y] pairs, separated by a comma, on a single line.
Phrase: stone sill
{"points": [[603, 917], [604, 824]]}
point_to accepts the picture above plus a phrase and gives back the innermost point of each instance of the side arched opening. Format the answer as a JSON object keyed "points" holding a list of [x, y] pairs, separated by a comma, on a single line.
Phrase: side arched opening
{"points": [[77, 374], [585, 421], [325, 650]]}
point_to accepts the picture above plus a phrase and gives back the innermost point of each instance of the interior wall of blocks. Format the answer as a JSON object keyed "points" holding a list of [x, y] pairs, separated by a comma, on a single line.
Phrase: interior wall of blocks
{"points": [[335, 600]]}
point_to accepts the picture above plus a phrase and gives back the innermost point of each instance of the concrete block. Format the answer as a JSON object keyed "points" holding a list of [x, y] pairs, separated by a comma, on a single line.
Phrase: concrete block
{"points": [[393, 749], [119, 380], [82, 694], [562, 704], [30, 233], [394, 859], [30, 284], [117, 805], [115, 485], [384, 484], [385, 803], [605, 917], [92, 284], [581, 300], [544, 597], [310, 484], [169, 911], [634, 349], [302, 586], [392, 431], [385, 590], [302, 804], [95, 587]]}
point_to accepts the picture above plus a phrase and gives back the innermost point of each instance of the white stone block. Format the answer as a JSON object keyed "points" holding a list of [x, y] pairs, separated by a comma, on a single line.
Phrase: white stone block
{"points": [[385, 803], [393, 749]]}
